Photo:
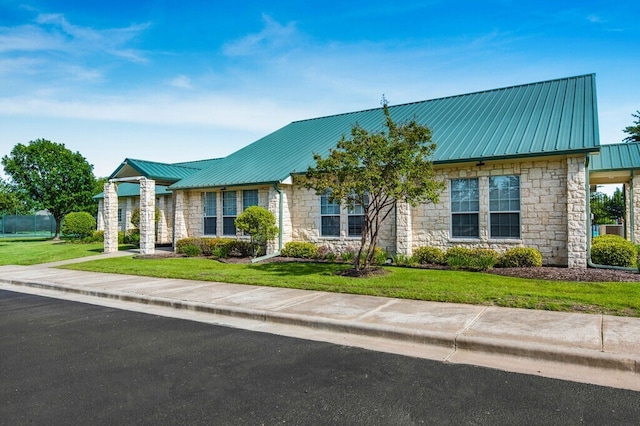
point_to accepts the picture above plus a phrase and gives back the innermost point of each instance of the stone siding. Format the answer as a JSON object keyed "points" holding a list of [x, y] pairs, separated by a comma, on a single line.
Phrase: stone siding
{"points": [[306, 220], [543, 208]]}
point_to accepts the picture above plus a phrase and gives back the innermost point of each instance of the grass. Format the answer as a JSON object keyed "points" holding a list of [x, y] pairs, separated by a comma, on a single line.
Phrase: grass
{"points": [[32, 251], [405, 283]]}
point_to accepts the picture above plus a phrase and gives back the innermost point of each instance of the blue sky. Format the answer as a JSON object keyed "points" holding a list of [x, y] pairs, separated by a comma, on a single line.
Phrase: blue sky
{"points": [[174, 81]]}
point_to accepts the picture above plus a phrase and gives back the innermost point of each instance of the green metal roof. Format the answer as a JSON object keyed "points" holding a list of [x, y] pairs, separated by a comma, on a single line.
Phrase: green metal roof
{"points": [[619, 156], [128, 189], [163, 173], [545, 118]]}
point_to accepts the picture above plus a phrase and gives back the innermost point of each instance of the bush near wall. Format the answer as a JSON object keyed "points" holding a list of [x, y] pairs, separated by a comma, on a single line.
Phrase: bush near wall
{"points": [[613, 250], [520, 257], [300, 249]]}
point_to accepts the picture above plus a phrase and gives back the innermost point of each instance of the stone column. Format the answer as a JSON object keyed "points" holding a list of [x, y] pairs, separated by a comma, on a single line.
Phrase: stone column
{"points": [[100, 218], [404, 231], [163, 236], [147, 216], [576, 213], [110, 217], [179, 224], [274, 207]]}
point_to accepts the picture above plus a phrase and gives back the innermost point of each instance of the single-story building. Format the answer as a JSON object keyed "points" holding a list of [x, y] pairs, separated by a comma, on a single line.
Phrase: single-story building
{"points": [[518, 163]]}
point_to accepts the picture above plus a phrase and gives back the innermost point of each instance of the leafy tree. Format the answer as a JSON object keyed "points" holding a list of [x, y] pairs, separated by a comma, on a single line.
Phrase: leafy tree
{"points": [[14, 201], [615, 205], [633, 131], [60, 180], [259, 223], [376, 170]]}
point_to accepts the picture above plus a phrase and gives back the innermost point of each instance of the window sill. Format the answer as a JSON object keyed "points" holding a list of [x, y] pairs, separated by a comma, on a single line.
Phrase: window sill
{"points": [[514, 241]]}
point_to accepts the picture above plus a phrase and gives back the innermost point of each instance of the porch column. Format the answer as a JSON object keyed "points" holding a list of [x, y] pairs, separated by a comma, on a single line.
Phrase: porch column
{"points": [[110, 207], [404, 231], [100, 218], [576, 213], [147, 216], [163, 234], [179, 222]]}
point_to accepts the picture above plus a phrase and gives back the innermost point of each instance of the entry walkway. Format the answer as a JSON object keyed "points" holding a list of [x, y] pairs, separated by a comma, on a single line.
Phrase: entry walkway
{"points": [[597, 349]]}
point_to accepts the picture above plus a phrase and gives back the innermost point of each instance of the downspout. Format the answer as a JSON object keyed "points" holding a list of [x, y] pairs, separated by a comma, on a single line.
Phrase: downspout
{"points": [[280, 223], [590, 264]]}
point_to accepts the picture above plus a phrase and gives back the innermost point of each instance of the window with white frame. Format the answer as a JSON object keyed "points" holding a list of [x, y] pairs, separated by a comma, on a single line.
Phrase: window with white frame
{"points": [[210, 205], [249, 198], [229, 212], [355, 219], [465, 208], [329, 217], [504, 206]]}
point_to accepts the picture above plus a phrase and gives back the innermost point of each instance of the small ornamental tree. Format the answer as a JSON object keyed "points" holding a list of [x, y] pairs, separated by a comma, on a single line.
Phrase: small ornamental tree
{"points": [[376, 170], [259, 223]]}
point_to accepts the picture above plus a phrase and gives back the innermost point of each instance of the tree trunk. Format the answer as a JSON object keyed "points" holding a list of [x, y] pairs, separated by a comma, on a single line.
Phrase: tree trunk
{"points": [[57, 235]]}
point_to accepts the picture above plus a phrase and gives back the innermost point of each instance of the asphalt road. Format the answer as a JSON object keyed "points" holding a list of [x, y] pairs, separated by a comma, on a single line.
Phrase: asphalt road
{"points": [[70, 363]]}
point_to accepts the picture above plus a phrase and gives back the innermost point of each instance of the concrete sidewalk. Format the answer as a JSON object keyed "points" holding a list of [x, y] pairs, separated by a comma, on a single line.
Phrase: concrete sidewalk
{"points": [[597, 349]]}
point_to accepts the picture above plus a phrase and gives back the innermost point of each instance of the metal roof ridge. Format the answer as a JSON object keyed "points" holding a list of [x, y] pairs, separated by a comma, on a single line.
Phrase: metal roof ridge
{"points": [[159, 163]]}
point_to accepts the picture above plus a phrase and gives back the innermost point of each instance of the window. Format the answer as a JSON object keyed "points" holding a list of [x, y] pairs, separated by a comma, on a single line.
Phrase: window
{"points": [[465, 207], [229, 212], [330, 217], [249, 198], [355, 220], [504, 206], [119, 215], [210, 213]]}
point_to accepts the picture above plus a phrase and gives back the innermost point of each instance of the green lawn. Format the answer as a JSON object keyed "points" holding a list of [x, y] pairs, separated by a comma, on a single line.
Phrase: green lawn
{"points": [[33, 251], [406, 283]]}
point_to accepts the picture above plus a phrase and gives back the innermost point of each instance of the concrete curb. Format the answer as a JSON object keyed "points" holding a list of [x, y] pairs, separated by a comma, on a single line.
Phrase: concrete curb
{"points": [[451, 341]]}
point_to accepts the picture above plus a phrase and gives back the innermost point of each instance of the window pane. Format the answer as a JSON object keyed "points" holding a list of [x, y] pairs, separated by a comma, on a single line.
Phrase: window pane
{"points": [[331, 226], [229, 207], [210, 227], [228, 226], [328, 208], [210, 203], [249, 198], [465, 195], [355, 225], [505, 225], [504, 193], [465, 225]]}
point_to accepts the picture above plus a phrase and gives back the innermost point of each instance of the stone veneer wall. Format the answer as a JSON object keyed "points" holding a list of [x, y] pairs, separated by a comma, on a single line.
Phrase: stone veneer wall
{"points": [[543, 208], [305, 224]]}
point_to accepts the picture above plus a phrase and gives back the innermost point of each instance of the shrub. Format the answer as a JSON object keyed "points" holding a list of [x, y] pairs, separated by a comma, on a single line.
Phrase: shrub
{"points": [[191, 250], [520, 257], [135, 217], [430, 255], [219, 248], [300, 249], [260, 224], [132, 236], [323, 252], [331, 257], [379, 256], [459, 252], [404, 260], [348, 255], [477, 259], [78, 225], [97, 236], [613, 250]]}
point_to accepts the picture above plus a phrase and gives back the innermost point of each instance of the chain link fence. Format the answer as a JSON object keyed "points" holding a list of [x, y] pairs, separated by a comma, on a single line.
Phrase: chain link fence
{"points": [[36, 225]]}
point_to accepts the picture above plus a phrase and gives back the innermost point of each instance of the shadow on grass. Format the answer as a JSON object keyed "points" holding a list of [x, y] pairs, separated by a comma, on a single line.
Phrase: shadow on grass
{"points": [[299, 268]]}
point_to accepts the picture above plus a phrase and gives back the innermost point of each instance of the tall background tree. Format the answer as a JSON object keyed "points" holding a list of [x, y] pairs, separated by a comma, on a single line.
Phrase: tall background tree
{"points": [[376, 170], [633, 131], [60, 180], [15, 201]]}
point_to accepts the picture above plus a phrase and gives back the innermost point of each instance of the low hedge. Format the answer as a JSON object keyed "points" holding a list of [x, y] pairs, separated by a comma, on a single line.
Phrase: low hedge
{"points": [[216, 247], [430, 255]]}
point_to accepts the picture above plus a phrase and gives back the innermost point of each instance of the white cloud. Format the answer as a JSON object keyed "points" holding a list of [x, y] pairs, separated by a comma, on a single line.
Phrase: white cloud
{"points": [[273, 36], [181, 82]]}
